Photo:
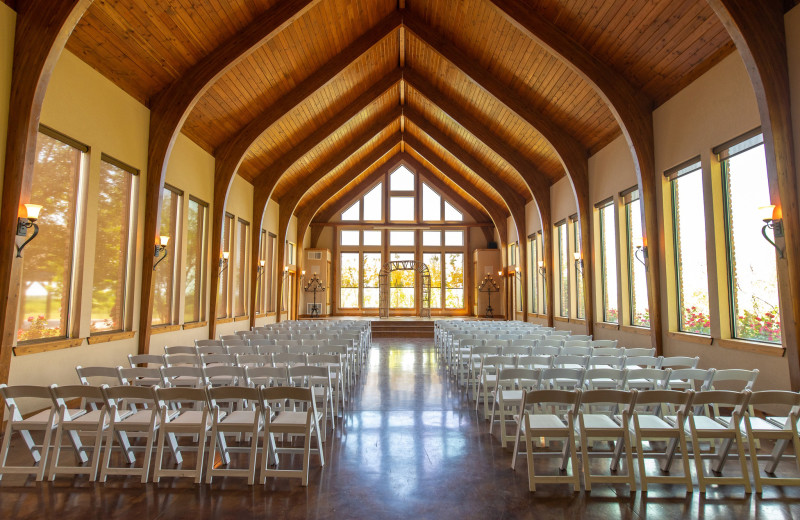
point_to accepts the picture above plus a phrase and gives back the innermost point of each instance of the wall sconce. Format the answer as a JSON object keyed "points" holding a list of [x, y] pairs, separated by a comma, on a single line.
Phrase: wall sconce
{"points": [[260, 269], [640, 252], [285, 271], [542, 268], [223, 262], [23, 223], [768, 214], [578, 262], [161, 247]]}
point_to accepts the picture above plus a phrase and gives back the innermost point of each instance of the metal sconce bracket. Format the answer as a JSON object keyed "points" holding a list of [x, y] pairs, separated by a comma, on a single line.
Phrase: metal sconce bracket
{"points": [[641, 255], [777, 231], [159, 249], [22, 230]]}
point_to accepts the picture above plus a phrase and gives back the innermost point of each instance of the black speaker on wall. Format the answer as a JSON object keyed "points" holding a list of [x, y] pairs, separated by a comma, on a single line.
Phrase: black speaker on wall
{"points": [[491, 245]]}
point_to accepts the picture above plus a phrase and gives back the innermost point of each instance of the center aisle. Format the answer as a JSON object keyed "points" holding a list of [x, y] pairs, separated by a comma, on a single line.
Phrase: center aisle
{"points": [[412, 446]]}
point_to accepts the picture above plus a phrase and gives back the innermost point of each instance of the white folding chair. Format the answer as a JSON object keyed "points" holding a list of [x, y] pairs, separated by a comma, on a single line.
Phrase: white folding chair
{"points": [[142, 423], [240, 420], [44, 421], [93, 422], [560, 425], [194, 421], [507, 397], [781, 429], [293, 422], [593, 425], [648, 426]]}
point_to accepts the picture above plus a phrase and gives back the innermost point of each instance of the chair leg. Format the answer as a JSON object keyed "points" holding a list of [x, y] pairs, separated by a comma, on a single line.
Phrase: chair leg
{"points": [[574, 456], [201, 449], [307, 457], [529, 455], [212, 452], [98, 445], [743, 461], [516, 442], [640, 457], [162, 434], [148, 452], [754, 459], [56, 451], [698, 459], [587, 477]]}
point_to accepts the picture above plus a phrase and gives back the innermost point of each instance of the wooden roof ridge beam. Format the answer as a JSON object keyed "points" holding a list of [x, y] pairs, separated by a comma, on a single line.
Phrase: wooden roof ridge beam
{"points": [[504, 190], [169, 110], [633, 111], [533, 177], [41, 32]]}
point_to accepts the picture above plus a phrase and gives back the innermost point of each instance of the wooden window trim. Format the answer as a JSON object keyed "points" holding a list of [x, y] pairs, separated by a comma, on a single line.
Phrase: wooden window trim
{"points": [[47, 346]]}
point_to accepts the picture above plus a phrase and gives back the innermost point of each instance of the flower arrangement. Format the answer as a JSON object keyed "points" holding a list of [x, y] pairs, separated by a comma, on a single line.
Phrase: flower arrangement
{"points": [[38, 329]]}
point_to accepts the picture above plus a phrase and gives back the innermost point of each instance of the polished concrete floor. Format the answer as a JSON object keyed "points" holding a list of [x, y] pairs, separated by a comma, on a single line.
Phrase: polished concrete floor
{"points": [[411, 446]]}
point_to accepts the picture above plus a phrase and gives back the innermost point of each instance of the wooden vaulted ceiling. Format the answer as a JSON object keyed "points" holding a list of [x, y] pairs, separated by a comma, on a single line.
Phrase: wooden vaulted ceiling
{"points": [[352, 83]]}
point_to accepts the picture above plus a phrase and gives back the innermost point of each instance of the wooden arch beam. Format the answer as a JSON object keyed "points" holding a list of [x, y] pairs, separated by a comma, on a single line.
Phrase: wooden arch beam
{"points": [[572, 154], [279, 167], [169, 110], [263, 192], [633, 112], [758, 30], [41, 31], [229, 155]]}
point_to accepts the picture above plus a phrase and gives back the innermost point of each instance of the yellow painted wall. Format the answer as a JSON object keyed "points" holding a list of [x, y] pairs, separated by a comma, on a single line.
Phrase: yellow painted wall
{"points": [[85, 106]]}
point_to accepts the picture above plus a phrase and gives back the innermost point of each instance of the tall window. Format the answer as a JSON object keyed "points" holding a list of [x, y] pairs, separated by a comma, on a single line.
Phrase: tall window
{"points": [[225, 275], [261, 307], [512, 248], [608, 262], [689, 235], [48, 260], [269, 272], [349, 281], [115, 234], [637, 274], [563, 268], [454, 280], [164, 293], [402, 284], [196, 242], [534, 277], [752, 272], [242, 272], [580, 309]]}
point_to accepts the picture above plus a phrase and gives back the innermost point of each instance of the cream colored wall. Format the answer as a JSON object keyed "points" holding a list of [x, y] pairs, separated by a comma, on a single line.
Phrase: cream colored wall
{"points": [[7, 20], [190, 169], [270, 223], [85, 106]]}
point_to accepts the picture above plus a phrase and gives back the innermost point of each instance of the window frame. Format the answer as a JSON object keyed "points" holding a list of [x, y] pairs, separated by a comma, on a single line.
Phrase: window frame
{"points": [[202, 315], [129, 257], [176, 235], [602, 207]]}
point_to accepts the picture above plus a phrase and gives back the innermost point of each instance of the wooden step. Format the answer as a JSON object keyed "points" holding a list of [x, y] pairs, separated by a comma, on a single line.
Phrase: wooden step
{"points": [[402, 329]]}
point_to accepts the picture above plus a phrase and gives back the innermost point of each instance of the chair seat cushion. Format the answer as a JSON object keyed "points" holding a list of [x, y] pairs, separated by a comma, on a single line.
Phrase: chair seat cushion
{"points": [[240, 417], [596, 420]]}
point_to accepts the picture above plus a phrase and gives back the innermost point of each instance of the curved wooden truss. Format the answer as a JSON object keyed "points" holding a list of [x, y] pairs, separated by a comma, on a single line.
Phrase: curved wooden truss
{"points": [[404, 265]]}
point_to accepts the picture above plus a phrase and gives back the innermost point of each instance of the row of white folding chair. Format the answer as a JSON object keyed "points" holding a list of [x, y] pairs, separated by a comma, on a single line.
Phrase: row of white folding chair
{"points": [[164, 418], [575, 419]]}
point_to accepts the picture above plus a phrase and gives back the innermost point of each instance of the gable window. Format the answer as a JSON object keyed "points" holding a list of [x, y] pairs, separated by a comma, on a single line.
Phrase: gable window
{"points": [[752, 270], [115, 240], [47, 271], [689, 236]]}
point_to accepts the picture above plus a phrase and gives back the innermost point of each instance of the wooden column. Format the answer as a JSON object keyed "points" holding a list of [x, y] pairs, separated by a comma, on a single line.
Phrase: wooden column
{"points": [[41, 31], [757, 29]]}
